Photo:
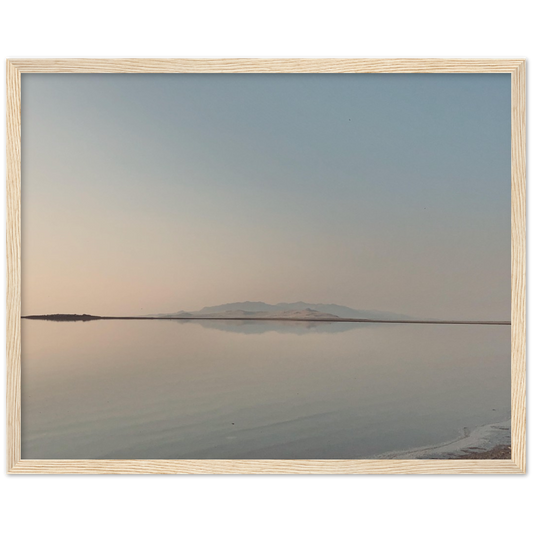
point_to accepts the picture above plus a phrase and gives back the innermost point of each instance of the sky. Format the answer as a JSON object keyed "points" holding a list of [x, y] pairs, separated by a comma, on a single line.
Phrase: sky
{"points": [[154, 193]]}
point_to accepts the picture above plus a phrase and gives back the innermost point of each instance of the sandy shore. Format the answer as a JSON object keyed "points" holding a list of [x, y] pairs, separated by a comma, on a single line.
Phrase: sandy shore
{"points": [[492, 441]]}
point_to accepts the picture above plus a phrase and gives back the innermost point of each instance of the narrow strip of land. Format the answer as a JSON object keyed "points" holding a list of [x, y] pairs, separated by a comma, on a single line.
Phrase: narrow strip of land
{"points": [[274, 319], [73, 318]]}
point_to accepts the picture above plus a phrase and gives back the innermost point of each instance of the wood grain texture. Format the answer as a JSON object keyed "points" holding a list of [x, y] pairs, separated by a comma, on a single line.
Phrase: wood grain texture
{"points": [[266, 65], [209, 466], [518, 267], [516, 465], [13, 349]]}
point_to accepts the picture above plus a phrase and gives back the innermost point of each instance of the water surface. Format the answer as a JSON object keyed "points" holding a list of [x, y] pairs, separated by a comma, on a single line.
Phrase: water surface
{"points": [[191, 390]]}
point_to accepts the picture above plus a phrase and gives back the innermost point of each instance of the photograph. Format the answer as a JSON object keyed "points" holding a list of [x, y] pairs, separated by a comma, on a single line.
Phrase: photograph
{"points": [[266, 266]]}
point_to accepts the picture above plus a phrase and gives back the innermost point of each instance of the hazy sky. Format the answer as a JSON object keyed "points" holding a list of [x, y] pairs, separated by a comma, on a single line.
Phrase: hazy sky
{"points": [[152, 193]]}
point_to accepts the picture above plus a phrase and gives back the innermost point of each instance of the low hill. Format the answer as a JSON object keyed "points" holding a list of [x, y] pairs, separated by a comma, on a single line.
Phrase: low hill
{"points": [[264, 310]]}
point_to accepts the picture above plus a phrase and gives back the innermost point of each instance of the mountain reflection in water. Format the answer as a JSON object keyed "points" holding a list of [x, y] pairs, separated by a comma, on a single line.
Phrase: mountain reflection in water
{"points": [[255, 327], [216, 389]]}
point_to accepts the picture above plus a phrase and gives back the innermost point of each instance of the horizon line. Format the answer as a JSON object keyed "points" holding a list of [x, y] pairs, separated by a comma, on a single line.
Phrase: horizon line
{"points": [[74, 317]]}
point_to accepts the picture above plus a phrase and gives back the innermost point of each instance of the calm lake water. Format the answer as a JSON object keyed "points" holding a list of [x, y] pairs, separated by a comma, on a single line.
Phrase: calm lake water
{"points": [[218, 390]]}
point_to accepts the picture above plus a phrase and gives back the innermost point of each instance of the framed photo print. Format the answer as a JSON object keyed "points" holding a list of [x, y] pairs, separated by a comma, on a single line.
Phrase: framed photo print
{"points": [[300, 266]]}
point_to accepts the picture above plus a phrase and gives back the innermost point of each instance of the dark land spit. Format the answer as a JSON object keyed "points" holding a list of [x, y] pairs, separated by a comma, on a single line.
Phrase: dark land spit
{"points": [[64, 318]]}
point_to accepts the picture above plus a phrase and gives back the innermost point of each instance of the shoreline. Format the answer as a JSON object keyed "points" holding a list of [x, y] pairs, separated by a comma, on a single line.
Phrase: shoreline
{"points": [[491, 441], [87, 318]]}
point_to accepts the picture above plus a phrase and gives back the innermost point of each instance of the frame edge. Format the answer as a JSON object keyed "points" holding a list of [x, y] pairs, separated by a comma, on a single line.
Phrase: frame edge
{"points": [[518, 265], [13, 292]]}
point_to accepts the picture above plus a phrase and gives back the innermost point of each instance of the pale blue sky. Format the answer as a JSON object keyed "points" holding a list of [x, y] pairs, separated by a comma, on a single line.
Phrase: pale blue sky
{"points": [[155, 193]]}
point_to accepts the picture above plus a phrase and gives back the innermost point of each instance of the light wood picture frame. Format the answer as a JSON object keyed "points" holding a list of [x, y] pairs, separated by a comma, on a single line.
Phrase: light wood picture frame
{"points": [[515, 67]]}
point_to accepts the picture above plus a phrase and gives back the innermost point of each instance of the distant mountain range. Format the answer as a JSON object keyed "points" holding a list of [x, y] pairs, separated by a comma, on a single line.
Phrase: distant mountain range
{"points": [[300, 310]]}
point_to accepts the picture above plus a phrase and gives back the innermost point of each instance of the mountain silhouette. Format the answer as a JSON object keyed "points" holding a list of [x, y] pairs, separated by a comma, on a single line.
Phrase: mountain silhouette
{"points": [[262, 309]]}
